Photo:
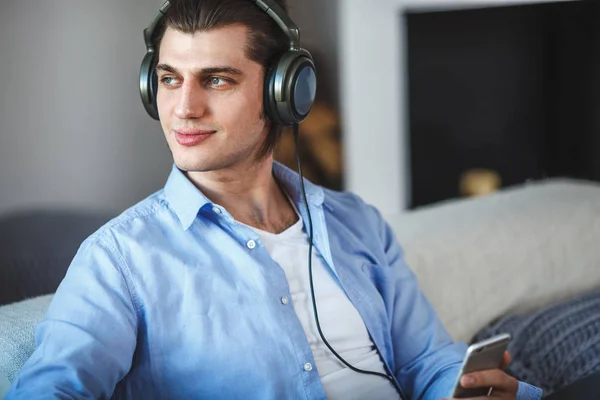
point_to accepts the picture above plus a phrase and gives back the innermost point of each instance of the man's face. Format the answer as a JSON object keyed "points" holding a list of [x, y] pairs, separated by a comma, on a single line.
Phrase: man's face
{"points": [[210, 99]]}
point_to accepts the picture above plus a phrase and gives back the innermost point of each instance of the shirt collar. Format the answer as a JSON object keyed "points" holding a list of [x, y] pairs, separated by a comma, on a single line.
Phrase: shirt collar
{"points": [[290, 180], [187, 200]]}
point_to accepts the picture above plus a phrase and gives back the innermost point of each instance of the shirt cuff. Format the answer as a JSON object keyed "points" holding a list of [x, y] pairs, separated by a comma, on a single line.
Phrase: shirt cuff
{"points": [[528, 392]]}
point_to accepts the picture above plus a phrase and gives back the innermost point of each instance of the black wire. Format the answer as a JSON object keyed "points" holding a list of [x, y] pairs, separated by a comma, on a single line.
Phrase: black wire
{"points": [[312, 290]]}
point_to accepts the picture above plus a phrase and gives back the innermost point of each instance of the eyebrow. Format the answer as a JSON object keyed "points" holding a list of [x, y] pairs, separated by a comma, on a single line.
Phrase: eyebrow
{"points": [[221, 69]]}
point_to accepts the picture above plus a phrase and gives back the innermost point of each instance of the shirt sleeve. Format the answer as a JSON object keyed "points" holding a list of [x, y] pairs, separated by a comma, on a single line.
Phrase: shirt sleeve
{"points": [[528, 392], [426, 359], [85, 343]]}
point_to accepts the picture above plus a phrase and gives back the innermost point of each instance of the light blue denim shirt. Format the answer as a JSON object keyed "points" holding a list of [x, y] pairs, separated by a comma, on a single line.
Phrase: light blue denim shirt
{"points": [[174, 299]]}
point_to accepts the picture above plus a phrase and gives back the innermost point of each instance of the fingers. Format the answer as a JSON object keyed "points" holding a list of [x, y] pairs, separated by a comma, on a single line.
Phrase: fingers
{"points": [[494, 396], [495, 378], [497, 395], [505, 361], [473, 398]]}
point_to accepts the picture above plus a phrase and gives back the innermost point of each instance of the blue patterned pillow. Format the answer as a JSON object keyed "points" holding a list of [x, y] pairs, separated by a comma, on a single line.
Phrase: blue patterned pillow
{"points": [[554, 346]]}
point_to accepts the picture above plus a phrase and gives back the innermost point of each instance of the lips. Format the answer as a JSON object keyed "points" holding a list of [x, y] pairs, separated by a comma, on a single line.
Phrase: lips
{"points": [[191, 137]]}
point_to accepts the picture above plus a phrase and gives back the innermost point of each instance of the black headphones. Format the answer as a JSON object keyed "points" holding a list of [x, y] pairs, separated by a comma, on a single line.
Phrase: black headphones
{"points": [[290, 84]]}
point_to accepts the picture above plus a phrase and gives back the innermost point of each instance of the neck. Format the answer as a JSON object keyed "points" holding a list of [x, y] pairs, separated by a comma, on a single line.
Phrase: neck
{"points": [[249, 193]]}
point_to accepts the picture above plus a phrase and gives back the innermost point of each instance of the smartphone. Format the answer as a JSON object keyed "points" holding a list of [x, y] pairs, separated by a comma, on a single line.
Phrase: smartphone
{"points": [[481, 356]]}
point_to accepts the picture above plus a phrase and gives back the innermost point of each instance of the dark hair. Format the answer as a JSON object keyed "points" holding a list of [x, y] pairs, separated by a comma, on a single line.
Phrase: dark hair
{"points": [[266, 41]]}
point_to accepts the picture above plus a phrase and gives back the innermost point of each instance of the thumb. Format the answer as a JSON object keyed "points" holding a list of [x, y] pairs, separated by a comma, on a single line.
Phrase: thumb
{"points": [[505, 360]]}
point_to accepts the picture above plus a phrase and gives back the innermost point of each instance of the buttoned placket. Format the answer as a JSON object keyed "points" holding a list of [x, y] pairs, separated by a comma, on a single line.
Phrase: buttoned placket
{"points": [[281, 290], [320, 242]]}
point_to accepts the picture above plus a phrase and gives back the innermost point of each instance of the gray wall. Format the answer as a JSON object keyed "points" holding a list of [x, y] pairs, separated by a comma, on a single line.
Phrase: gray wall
{"points": [[73, 133]]}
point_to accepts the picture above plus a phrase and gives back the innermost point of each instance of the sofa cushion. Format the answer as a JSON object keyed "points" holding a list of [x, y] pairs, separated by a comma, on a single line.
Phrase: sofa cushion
{"points": [[554, 346], [515, 251], [4, 386], [37, 247], [17, 328]]}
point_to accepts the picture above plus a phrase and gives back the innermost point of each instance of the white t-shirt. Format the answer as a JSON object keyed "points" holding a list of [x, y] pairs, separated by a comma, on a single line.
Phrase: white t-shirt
{"points": [[340, 322]]}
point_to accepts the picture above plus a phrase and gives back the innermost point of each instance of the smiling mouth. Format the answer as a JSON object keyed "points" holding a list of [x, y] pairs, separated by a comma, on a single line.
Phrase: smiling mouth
{"points": [[191, 138]]}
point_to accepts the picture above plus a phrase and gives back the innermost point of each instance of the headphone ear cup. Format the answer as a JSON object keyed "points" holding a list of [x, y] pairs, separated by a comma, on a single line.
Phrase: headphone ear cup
{"points": [[149, 84], [270, 105], [290, 88]]}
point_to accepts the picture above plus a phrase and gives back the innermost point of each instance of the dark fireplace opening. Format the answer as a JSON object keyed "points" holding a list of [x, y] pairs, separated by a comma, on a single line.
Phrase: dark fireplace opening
{"points": [[514, 91]]}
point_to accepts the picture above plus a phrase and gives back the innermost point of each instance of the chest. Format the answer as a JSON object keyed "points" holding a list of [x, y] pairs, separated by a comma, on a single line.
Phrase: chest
{"points": [[214, 303]]}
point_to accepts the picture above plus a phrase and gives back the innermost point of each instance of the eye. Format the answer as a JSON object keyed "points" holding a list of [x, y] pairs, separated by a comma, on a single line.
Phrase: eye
{"points": [[217, 81], [169, 80]]}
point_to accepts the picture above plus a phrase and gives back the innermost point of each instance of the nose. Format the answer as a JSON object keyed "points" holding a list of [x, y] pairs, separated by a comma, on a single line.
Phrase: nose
{"points": [[192, 102]]}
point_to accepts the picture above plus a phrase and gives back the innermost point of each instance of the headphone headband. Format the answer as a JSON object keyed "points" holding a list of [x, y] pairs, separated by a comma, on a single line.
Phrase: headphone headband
{"points": [[286, 24], [274, 10], [149, 31]]}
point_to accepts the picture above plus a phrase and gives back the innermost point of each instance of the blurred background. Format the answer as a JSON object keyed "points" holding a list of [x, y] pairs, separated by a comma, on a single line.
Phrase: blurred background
{"points": [[418, 101], [73, 132], [501, 96]]}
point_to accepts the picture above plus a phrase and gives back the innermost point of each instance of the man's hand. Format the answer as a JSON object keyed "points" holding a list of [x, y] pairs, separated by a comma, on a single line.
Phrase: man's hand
{"points": [[503, 385]]}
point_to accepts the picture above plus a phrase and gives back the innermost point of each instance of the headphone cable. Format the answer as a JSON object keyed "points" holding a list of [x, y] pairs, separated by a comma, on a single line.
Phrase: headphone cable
{"points": [[312, 291]]}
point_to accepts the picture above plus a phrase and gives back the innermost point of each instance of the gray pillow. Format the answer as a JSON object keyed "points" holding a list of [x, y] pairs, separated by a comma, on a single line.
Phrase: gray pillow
{"points": [[554, 346]]}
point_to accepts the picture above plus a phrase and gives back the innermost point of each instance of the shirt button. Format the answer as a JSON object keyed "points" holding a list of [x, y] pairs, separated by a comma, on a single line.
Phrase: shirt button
{"points": [[216, 210], [284, 301], [251, 244], [308, 367]]}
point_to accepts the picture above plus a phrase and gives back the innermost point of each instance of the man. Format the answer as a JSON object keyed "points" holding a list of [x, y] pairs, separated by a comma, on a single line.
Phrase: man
{"points": [[202, 289]]}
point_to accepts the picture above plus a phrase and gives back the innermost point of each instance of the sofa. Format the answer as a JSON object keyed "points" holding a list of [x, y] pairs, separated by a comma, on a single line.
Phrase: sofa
{"points": [[478, 260]]}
